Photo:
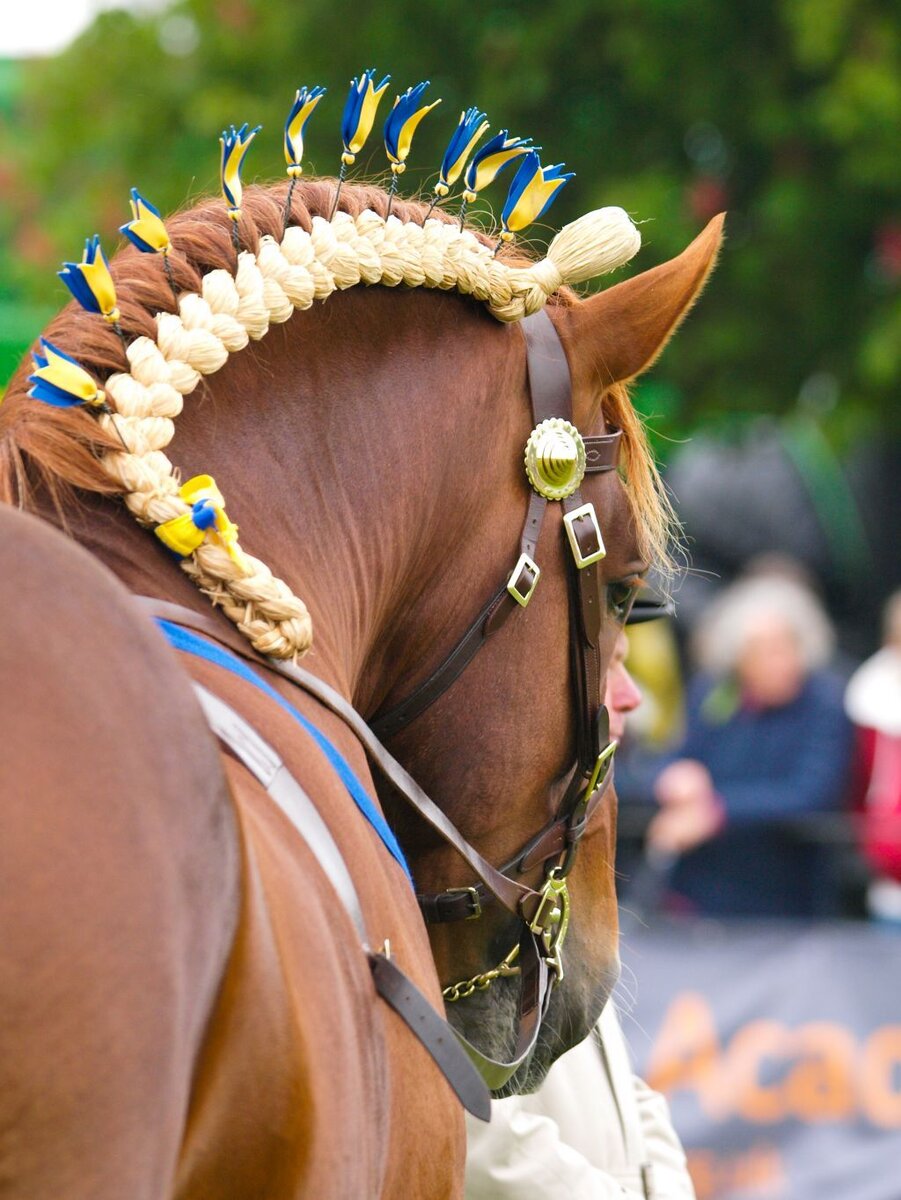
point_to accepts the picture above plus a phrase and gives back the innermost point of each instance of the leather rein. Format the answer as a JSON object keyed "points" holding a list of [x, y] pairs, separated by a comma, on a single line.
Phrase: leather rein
{"points": [[543, 908]]}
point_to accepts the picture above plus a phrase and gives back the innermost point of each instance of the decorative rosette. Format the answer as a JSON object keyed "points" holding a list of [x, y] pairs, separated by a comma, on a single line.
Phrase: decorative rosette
{"points": [[495, 156], [402, 123], [146, 229], [235, 144], [470, 129], [359, 113], [532, 192], [61, 381], [301, 110], [90, 281], [206, 520]]}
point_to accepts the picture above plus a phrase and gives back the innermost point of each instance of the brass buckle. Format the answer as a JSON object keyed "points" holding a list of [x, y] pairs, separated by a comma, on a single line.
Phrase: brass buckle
{"points": [[551, 920], [601, 767], [523, 598], [580, 514], [474, 900]]}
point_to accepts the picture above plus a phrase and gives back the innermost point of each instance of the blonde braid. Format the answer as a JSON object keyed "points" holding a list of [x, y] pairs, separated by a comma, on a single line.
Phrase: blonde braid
{"points": [[266, 289]]}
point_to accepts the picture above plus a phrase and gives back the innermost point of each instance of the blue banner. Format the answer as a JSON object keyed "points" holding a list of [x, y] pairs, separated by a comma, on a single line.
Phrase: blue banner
{"points": [[778, 1047]]}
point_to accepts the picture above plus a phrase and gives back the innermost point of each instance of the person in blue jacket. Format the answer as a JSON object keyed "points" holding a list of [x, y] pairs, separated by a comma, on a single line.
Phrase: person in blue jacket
{"points": [[766, 743]]}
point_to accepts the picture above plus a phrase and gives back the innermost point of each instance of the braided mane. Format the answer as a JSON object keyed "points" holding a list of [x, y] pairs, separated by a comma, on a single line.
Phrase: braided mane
{"points": [[225, 301]]}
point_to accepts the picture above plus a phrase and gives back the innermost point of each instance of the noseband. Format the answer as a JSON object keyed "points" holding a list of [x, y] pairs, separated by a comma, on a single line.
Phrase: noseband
{"points": [[557, 458]]}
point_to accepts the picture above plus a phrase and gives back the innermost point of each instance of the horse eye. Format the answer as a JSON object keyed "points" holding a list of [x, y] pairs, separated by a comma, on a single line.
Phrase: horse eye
{"points": [[619, 600]]}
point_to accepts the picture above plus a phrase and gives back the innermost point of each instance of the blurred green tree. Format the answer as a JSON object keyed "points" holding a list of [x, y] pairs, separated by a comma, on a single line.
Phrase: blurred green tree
{"points": [[785, 112]]}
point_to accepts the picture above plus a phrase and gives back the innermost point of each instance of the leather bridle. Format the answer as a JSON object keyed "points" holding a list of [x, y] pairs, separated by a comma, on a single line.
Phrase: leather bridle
{"points": [[552, 850], [543, 909]]}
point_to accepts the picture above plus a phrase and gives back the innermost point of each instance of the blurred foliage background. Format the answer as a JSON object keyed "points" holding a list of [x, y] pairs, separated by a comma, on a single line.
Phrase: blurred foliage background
{"points": [[787, 113]]}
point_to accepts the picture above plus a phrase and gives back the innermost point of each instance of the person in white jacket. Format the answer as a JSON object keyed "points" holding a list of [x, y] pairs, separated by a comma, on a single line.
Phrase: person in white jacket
{"points": [[594, 1130]]}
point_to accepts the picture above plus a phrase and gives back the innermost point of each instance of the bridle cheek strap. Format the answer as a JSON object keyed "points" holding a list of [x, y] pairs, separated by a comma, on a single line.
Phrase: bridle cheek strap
{"points": [[551, 396]]}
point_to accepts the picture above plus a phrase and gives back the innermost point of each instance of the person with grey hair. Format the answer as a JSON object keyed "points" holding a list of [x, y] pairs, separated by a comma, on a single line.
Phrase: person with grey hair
{"points": [[766, 743]]}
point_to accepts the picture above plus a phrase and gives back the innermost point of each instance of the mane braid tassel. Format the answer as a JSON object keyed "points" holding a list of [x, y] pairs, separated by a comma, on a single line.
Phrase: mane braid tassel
{"points": [[266, 289]]}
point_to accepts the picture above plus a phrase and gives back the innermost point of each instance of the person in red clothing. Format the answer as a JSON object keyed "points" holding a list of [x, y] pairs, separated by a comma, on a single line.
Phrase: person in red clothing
{"points": [[873, 702]]}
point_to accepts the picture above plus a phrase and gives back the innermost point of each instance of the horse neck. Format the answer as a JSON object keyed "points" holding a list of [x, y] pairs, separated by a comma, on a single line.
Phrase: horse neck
{"points": [[359, 447]]}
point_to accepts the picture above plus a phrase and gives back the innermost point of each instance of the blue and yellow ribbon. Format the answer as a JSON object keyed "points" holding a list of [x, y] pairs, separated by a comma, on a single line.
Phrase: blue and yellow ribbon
{"points": [[533, 190], [61, 381], [206, 520], [402, 123], [494, 157], [301, 110], [359, 113], [146, 229], [469, 130], [235, 144], [90, 281]]}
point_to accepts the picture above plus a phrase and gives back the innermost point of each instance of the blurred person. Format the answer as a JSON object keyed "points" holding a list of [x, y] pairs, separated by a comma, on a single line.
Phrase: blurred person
{"points": [[780, 486], [593, 1131], [873, 702], [655, 665], [766, 742]]}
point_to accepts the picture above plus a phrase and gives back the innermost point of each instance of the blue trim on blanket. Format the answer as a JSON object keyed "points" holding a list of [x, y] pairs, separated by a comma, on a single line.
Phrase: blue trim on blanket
{"points": [[183, 639]]}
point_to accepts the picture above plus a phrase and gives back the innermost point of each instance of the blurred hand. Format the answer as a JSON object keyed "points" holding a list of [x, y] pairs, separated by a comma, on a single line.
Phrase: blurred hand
{"points": [[691, 812], [683, 782], [682, 827]]}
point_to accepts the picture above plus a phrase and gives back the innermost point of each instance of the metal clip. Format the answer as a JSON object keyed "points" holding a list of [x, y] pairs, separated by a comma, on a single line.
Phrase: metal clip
{"points": [[551, 920], [525, 564], [585, 512]]}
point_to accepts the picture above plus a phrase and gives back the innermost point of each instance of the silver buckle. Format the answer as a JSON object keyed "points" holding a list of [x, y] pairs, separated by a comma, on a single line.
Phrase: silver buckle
{"points": [[580, 514], [523, 598]]}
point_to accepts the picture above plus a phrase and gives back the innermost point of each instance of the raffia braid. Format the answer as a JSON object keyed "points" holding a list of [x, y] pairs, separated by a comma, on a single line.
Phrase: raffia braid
{"points": [[231, 311]]}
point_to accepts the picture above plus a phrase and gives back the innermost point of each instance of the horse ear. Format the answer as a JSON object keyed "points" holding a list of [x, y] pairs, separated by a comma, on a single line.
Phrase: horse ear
{"points": [[615, 335]]}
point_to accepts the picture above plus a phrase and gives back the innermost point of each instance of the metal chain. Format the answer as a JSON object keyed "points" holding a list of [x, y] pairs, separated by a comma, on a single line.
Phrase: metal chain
{"points": [[478, 983]]}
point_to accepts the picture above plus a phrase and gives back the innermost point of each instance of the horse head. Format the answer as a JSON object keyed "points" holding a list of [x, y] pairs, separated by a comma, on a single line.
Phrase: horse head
{"points": [[498, 749], [371, 449]]}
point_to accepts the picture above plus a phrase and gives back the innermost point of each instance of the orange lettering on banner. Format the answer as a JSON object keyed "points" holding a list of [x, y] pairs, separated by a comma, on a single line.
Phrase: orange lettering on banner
{"points": [[752, 1046], [821, 1086], [769, 1073], [687, 1051], [757, 1172], [880, 1077], [817, 1073]]}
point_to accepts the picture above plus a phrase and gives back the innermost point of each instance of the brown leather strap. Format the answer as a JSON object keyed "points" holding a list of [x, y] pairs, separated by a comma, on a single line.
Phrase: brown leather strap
{"points": [[534, 997], [512, 896], [265, 764], [565, 831], [493, 616], [449, 1051], [602, 451], [588, 593], [500, 607], [549, 380]]}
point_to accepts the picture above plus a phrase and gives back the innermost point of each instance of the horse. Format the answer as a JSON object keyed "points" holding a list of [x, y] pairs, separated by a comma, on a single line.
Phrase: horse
{"points": [[186, 1008]]}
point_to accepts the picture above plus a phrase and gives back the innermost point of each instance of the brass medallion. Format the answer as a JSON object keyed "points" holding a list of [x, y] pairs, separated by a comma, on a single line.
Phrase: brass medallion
{"points": [[555, 458]]}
